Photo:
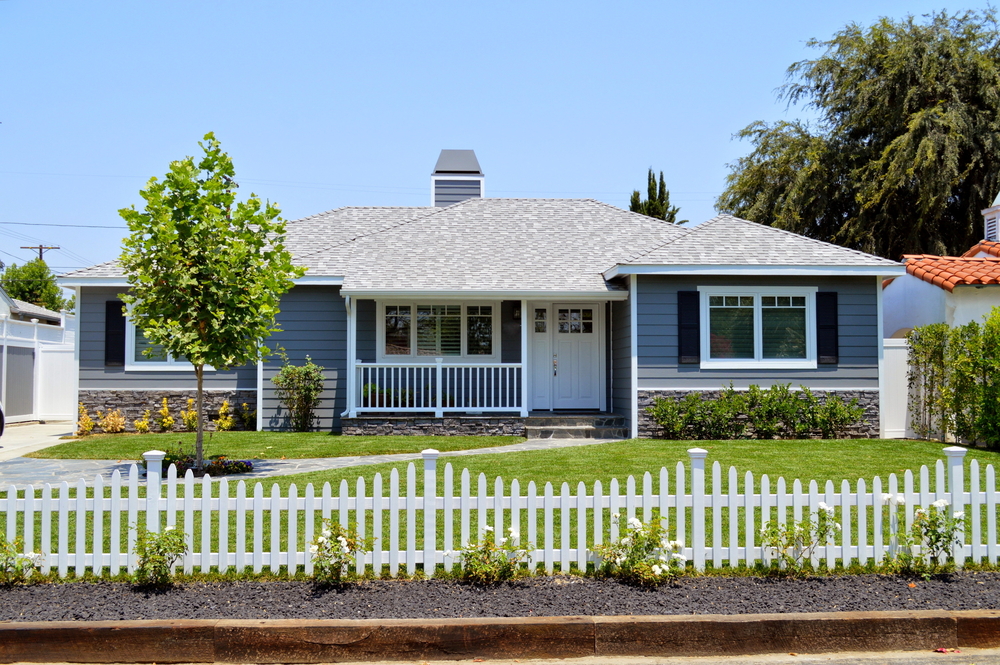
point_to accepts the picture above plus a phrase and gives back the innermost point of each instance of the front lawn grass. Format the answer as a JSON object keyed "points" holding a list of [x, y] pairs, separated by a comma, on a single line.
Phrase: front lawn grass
{"points": [[262, 445]]}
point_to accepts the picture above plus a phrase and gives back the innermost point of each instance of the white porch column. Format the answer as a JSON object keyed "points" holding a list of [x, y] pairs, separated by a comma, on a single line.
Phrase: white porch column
{"points": [[525, 318], [352, 359]]}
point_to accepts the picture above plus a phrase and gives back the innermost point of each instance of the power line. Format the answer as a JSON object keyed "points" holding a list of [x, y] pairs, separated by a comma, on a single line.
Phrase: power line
{"points": [[41, 250], [74, 226]]}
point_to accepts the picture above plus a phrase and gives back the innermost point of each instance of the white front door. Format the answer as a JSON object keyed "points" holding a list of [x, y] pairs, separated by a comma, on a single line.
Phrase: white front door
{"points": [[566, 356]]}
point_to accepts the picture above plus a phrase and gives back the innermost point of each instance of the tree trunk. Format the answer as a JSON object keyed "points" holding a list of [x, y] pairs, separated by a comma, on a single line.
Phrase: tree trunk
{"points": [[199, 371]]}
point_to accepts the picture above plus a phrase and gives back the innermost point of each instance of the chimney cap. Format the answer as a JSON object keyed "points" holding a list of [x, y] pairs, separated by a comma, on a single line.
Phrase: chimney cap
{"points": [[457, 161]]}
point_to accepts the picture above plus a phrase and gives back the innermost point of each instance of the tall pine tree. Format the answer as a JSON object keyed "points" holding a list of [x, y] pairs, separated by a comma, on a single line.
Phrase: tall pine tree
{"points": [[657, 203]]}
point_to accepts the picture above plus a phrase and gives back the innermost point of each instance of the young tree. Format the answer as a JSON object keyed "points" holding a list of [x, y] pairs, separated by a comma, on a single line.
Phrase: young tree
{"points": [[906, 148], [206, 272], [657, 203], [33, 282]]}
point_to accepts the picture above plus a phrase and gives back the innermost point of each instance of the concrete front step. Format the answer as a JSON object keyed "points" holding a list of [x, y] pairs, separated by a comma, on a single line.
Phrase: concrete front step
{"points": [[576, 432], [582, 420]]}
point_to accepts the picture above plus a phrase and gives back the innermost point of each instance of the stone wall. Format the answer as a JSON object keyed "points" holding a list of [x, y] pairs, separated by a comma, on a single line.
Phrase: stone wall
{"points": [[430, 426], [132, 404], [867, 428]]}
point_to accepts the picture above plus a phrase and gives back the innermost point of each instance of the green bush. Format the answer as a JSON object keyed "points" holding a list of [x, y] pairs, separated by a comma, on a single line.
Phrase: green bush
{"points": [[298, 389], [156, 554], [642, 556], [491, 560]]}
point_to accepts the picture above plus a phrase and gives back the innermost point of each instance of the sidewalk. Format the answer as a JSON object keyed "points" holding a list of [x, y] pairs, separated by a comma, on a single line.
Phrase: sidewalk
{"points": [[19, 439]]}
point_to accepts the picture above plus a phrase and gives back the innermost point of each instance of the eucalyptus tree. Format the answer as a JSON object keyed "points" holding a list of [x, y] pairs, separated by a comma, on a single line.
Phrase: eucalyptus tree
{"points": [[205, 271], [904, 149]]}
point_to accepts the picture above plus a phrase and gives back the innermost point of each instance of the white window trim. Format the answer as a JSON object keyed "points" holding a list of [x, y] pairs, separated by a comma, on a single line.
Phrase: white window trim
{"points": [[168, 365], [809, 362], [413, 358]]}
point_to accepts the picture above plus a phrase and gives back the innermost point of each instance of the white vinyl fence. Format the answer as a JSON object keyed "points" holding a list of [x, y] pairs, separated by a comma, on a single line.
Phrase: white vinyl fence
{"points": [[234, 525]]}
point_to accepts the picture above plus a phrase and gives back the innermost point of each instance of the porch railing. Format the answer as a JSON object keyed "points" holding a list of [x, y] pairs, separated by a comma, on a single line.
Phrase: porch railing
{"points": [[441, 387]]}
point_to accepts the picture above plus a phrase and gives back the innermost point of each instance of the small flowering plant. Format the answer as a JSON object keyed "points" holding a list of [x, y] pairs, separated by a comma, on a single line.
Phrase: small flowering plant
{"points": [[792, 544], [334, 549], [156, 554], [643, 556], [15, 567], [937, 529], [490, 559]]}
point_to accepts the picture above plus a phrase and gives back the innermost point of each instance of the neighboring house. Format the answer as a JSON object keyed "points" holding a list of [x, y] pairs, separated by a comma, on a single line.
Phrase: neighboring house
{"points": [[481, 315], [37, 366]]}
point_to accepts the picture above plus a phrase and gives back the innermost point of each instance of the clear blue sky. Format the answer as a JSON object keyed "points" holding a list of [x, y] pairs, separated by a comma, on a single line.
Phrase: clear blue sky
{"points": [[325, 104]]}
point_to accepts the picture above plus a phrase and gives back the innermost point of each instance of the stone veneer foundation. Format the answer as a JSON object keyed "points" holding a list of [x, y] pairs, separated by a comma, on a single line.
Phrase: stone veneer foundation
{"points": [[868, 428], [132, 404], [431, 426]]}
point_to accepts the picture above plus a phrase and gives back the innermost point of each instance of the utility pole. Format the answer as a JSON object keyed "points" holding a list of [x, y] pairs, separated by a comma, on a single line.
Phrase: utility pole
{"points": [[41, 250]]}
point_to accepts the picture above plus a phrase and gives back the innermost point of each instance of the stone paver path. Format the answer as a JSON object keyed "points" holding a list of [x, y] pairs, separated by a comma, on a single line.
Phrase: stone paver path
{"points": [[22, 471]]}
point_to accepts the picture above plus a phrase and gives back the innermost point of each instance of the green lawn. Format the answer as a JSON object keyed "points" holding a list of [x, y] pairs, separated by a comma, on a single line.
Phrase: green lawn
{"points": [[263, 445]]}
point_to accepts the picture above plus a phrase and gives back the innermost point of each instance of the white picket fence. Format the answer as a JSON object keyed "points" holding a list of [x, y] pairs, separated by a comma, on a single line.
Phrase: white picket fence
{"points": [[226, 530]]}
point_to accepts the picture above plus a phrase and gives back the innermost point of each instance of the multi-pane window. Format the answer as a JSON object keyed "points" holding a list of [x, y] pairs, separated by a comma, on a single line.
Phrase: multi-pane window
{"points": [[573, 320], [439, 330], [136, 346], [760, 326]]}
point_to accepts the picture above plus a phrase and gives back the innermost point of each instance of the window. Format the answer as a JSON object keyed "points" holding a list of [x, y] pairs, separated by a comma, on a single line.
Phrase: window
{"points": [[438, 330], [774, 327], [135, 359]]}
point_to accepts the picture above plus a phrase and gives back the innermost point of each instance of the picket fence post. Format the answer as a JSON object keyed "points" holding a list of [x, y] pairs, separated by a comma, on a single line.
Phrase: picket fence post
{"points": [[956, 487], [154, 476], [698, 456], [430, 457]]}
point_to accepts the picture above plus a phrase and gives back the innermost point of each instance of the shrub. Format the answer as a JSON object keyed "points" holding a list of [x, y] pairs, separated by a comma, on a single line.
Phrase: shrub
{"points": [[937, 529], [164, 421], [248, 418], [15, 567], [298, 389], [156, 554], [489, 561], [668, 413], [834, 416], [225, 421], [112, 422], [643, 556], [792, 544], [189, 418], [334, 549], [217, 465], [141, 425], [85, 425]]}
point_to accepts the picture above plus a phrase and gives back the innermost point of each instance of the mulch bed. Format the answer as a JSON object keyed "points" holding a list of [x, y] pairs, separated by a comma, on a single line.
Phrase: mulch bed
{"points": [[538, 596]]}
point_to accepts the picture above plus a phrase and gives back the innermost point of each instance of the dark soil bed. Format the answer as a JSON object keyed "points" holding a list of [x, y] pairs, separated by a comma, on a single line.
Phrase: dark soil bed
{"points": [[540, 596]]}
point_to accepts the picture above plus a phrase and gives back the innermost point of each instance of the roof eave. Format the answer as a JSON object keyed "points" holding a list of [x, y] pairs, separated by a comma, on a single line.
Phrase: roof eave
{"points": [[470, 294], [779, 270]]}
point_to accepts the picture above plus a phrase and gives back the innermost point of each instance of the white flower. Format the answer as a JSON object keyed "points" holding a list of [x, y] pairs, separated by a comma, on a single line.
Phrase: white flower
{"points": [[488, 529], [634, 523], [169, 528], [616, 516], [326, 533], [514, 535], [313, 549], [620, 560], [501, 542], [680, 557], [940, 503], [342, 539], [662, 557], [625, 541], [448, 552], [676, 545], [919, 512], [900, 500], [321, 540], [960, 515], [825, 508], [345, 549], [656, 569], [886, 498]]}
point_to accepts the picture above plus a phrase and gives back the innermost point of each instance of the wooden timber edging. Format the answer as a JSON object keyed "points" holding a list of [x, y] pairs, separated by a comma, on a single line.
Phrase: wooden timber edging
{"points": [[315, 641]]}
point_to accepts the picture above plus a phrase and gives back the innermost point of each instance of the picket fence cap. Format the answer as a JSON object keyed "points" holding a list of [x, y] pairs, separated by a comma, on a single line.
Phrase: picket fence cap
{"points": [[955, 451], [697, 453], [430, 453], [154, 455]]}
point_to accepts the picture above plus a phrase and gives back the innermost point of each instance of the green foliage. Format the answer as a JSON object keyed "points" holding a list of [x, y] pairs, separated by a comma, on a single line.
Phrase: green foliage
{"points": [[206, 272], [954, 380], [248, 418], [489, 560], [905, 151], [936, 529], [189, 417], [33, 282], [775, 411], [792, 544], [334, 550], [299, 388], [156, 554], [643, 555], [15, 567], [658, 202], [226, 420]]}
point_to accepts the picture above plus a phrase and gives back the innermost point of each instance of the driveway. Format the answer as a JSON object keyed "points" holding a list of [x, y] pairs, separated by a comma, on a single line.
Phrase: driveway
{"points": [[19, 439]]}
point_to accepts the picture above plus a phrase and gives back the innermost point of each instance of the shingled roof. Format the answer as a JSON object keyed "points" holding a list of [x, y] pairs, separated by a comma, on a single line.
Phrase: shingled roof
{"points": [[948, 272]]}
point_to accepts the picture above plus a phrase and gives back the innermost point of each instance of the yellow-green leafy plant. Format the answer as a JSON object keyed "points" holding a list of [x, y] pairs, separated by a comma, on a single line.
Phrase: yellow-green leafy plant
{"points": [[248, 417], [112, 422], [643, 556], [793, 544], [85, 425], [156, 554], [164, 421], [334, 549], [490, 559], [141, 425], [226, 420], [189, 418], [16, 568]]}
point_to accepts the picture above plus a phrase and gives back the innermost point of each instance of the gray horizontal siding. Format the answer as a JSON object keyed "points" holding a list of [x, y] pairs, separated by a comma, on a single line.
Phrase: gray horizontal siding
{"points": [[313, 323], [657, 336], [448, 192], [365, 330], [621, 359], [95, 376]]}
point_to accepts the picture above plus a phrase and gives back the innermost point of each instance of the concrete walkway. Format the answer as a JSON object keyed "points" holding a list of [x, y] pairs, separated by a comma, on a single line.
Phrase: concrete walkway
{"points": [[24, 470], [20, 439]]}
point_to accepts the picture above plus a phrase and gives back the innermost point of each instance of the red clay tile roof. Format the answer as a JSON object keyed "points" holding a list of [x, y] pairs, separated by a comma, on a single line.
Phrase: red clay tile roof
{"points": [[948, 272], [987, 246]]}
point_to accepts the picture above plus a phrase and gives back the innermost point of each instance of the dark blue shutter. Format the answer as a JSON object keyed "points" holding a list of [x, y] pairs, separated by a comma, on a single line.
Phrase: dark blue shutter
{"points": [[688, 327], [114, 334], [827, 334]]}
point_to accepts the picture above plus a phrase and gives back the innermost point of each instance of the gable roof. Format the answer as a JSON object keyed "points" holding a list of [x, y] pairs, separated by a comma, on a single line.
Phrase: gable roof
{"points": [[34, 311], [988, 247], [948, 272], [738, 243]]}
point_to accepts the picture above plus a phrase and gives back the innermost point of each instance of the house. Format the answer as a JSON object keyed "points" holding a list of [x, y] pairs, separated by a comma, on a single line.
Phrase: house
{"points": [[489, 315], [946, 289], [37, 366]]}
